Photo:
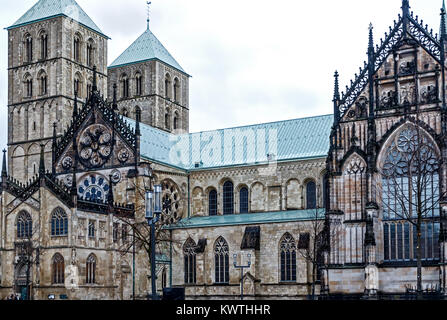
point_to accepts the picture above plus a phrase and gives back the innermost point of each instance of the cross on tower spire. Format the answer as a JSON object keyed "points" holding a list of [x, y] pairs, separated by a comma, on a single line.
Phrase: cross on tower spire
{"points": [[148, 13]]}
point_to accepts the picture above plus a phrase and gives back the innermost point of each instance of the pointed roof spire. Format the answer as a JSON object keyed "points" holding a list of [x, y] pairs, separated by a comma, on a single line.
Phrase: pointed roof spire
{"points": [[371, 39], [110, 198], [75, 107], [42, 161], [94, 86], [4, 170], [114, 104], [336, 97], [137, 123], [336, 86], [443, 31], [405, 8]]}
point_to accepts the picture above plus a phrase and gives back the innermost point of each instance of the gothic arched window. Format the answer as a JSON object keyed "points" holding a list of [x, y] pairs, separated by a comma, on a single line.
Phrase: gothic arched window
{"points": [[355, 187], [410, 184], [43, 83], [43, 46], [228, 198], [139, 84], [29, 86], [189, 251], [24, 225], [90, 270], [138, 114], [176, 121], [243, 200], [124, 86], [311, 195], [167, 120], [288, 258], [29, 48], [221, 261], [59, 223], [212, 203], [176, 90], [77, 49], [58, 269], [90, 49], [168, 86]]}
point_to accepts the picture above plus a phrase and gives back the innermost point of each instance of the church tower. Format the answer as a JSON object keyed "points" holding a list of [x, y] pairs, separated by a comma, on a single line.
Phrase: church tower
{"points": [[52, 50], [152, 86]]}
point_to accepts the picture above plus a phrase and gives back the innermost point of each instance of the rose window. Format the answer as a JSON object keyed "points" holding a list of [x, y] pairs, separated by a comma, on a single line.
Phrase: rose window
{"points": [[95, 146], [171, 202], [94, 188]]}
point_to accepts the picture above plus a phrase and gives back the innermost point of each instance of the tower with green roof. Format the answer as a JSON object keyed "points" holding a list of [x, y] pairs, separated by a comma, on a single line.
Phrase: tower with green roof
{"points": [[52, 50], [151, 85]]}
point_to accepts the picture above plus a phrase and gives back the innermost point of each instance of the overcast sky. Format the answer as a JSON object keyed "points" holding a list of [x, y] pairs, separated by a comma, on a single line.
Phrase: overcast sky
{"points": [[251, 61]]}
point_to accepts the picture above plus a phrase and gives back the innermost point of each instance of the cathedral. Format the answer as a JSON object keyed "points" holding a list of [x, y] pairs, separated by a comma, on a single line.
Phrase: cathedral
{"points": [[348, 204]]}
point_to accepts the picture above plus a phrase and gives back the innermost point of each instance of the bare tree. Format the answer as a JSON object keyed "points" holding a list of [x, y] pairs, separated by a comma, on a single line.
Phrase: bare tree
{"points": [[28, 251], [137, 234], [311, 242], [411, 177]]}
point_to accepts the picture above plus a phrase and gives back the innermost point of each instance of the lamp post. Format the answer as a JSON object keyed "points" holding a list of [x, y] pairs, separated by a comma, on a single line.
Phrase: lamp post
{"points": [[153, 211], [242, 267]]}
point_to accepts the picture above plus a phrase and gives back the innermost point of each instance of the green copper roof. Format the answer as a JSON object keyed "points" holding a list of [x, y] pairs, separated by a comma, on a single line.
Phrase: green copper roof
{"points": [[249, 219], [146, 47], [46, 9], [257, 144]]}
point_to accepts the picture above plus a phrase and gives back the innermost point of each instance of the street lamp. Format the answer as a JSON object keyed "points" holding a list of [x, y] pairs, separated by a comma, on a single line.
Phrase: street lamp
{"points": [[153, 206], [242, 267]]}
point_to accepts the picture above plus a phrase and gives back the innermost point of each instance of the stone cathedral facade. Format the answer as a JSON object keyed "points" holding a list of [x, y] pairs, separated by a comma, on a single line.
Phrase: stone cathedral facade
{"points": [[86, 140]]}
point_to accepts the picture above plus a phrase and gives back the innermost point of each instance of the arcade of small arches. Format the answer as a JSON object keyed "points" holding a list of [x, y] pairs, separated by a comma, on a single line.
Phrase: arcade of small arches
{"points": [[29, 56], [244, 198]]}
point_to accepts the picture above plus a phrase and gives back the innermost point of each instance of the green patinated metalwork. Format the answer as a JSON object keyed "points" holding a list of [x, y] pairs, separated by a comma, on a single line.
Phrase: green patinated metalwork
{"points": [[146, 48], [47, 9], [250, 219], [290, 140]]}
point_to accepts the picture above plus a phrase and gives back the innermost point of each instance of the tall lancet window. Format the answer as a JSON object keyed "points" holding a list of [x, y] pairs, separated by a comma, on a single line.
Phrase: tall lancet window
{"points": [[43, 46], [29, 49], [354, 187], [221, 261], [138, 84], [77, 48], [189, 251], [410, 188], [311, 195], [58, 269], [288, 258], [90, 51]]}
